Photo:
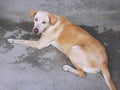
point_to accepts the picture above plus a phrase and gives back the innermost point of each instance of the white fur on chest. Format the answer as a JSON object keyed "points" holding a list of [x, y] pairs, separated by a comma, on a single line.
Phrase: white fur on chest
{"points": [[54, 43]]}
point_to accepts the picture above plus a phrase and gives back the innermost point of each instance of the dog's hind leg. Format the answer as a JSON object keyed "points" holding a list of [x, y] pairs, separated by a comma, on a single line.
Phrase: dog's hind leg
{"points": [[79, 72], [77, 57]]}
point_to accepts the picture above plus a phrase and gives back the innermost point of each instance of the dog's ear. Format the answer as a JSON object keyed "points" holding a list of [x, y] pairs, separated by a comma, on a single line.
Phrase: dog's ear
{"points": [[32, 13], [52, 19]]}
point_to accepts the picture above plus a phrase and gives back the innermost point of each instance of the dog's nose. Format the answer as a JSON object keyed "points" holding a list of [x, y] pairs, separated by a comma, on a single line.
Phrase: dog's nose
{"points": [[35, 30]]}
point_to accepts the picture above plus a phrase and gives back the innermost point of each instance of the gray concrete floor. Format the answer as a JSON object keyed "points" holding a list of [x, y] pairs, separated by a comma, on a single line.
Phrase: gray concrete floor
{"points": [[26, 68]]}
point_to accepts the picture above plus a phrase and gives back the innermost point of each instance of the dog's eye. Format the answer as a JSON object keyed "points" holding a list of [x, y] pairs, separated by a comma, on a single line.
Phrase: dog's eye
{"points": [[43, 22], [36, 19]]}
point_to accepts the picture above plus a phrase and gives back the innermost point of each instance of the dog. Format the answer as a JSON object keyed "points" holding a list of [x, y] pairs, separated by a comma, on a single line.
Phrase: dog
{"points": [[85, 52]]}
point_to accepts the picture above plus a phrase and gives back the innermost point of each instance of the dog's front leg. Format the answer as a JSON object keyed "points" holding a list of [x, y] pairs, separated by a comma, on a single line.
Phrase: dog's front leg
{"points": [[25, 42], [43, 42]]}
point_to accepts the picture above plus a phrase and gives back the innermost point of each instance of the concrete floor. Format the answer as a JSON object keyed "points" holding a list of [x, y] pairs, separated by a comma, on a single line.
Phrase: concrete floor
{"points": [[26, 68]]}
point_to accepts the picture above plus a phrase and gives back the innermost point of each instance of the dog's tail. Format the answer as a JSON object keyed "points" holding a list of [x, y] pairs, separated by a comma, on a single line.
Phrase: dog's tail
{"points": [[107, 77]]}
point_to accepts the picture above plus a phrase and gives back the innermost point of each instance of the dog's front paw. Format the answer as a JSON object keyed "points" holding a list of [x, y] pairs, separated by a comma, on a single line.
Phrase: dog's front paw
{"points": [[10, 40]]}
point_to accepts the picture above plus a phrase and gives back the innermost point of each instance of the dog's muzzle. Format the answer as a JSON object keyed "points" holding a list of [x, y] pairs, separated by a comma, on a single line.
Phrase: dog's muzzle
{"points": [[35, 30]]}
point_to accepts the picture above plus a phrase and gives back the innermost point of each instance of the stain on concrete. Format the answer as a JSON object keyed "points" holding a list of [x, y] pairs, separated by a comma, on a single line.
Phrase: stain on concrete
{"points": [[26, 68]]}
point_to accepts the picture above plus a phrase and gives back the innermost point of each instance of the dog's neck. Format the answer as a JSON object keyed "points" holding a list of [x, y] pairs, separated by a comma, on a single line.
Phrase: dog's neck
{"points": [[51, 27], [60, 24]]}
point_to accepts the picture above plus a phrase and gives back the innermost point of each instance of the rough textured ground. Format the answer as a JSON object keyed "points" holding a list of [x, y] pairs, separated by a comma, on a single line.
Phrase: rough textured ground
{"points": [[87, 12], [25, 68]]}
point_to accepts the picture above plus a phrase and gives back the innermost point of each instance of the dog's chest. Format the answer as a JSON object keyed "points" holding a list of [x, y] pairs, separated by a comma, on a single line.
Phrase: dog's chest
{"points": [[54, 43]]}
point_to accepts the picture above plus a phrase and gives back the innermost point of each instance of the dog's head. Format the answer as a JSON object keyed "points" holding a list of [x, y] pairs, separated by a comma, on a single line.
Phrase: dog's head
{"points": [[42, 20]]}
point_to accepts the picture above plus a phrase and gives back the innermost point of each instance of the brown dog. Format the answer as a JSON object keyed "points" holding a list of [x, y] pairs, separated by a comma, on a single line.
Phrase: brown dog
{"points": [[85, 52]]}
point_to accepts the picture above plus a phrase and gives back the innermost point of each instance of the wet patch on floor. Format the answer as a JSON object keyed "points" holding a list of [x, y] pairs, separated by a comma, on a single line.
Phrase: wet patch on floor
{"points": [[42, 69]]}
